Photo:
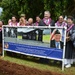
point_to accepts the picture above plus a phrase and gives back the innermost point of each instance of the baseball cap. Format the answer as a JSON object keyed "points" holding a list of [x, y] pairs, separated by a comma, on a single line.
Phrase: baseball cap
{"points": [[22, 15]]}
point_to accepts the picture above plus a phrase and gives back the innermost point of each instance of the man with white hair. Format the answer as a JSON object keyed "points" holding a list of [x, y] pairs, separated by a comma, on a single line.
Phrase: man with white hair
{"points": [[30, 22], [47, 21]]}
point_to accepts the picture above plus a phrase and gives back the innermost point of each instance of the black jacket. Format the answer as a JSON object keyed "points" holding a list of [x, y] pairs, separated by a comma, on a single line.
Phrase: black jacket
{"points": [[72, 35], [41, 23], [52, 44]]}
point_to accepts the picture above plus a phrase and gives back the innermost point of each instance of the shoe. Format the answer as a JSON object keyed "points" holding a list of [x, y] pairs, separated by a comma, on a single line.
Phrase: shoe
{"points": [[68, 66]]}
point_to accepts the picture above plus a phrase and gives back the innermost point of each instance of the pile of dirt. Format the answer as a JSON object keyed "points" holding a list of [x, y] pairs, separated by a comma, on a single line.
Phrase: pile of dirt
{"points": [[7, 68]]}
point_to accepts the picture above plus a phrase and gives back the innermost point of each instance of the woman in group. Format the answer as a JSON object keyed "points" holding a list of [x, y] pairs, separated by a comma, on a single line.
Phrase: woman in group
{"points": [[69, 44], [22, 22], [13, 21]]}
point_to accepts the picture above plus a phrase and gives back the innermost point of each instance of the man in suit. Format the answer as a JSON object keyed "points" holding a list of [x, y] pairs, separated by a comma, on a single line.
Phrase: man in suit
{"points": [[56, 43], [46, 21]]}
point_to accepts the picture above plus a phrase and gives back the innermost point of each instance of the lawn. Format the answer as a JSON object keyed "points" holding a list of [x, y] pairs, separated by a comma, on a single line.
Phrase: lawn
{"points": [[19, 37], [33, 62], [46, 38]]}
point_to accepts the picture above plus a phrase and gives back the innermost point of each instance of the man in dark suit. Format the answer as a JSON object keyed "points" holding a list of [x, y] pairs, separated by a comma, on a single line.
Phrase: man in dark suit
{"points": [[56, 43], [46, 21]]}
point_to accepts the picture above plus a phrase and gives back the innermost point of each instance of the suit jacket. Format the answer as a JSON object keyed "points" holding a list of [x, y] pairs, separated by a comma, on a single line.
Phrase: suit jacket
{"points": [[53, 45], [41, 23]]}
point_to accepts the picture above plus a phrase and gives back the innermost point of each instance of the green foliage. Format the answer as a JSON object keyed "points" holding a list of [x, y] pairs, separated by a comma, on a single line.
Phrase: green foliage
{"points": [[32, 8], [56, 7], [70, 7]]}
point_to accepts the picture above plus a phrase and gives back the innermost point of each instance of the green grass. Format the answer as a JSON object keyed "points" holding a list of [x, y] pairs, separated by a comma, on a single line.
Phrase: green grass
{"points": [[19, 37], [30, 63], [50, 67], [46, 38]]}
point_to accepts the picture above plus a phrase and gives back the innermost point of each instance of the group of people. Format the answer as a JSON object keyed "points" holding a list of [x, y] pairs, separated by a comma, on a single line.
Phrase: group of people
{"points": [[23, 21], [47, 21]]}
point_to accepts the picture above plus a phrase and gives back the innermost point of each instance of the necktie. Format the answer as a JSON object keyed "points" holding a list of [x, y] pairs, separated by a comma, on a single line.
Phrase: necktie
{"points": [[46, 21], [57, 45]]}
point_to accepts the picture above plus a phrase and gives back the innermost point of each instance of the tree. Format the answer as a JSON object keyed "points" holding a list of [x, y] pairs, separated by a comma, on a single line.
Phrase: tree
{"points": [[32, 8], [70, 7]]}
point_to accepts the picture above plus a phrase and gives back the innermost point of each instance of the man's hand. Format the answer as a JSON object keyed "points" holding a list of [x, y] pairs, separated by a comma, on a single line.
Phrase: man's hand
{"points": [[67, 39]]}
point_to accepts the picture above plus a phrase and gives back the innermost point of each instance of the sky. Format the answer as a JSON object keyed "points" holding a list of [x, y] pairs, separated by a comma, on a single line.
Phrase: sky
{"points": [[1, 10]]}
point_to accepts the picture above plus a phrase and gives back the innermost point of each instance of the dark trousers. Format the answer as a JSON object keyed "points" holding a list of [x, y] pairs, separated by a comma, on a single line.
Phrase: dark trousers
{"points": [[0, 48]]}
